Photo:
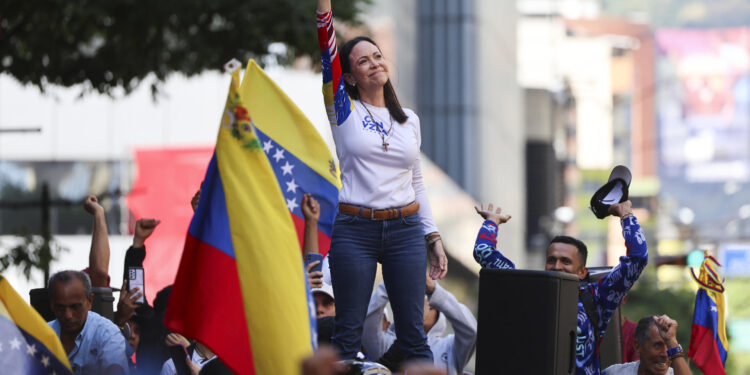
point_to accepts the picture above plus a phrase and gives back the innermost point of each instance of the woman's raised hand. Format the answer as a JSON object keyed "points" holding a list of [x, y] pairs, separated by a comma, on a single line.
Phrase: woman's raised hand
{"points": [[324, 6]]}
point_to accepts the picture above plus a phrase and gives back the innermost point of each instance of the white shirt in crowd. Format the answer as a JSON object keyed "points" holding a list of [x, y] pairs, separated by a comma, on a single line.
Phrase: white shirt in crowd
{"points": [[168, 367], [630, 368]]}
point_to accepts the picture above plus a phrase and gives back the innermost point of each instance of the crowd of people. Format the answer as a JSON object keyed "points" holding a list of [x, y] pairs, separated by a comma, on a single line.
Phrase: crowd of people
{"points": [[383, 217], [134, 340]]}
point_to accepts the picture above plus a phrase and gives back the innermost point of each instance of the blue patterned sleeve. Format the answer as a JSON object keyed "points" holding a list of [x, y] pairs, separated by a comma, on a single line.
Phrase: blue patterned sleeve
{"points": [[337, 101], [485, 252], [612, 288]]}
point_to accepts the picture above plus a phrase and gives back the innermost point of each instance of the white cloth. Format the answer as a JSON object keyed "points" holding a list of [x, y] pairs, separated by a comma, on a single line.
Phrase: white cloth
{"points": [[381, 179], [450, 352], [630, 368], [168, 367]]}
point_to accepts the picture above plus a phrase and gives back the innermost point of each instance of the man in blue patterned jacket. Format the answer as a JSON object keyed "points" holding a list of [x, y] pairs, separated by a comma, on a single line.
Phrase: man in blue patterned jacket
{"points": [[567, 254]]}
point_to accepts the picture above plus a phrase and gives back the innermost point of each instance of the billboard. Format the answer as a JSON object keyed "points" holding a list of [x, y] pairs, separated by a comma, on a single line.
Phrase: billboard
{"points": [[704, 104]]}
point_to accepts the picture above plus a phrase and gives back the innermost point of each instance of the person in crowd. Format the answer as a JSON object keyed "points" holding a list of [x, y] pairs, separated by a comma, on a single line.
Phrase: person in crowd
{"points": [[325, 304], [322, 292], [152, 353], [98, 272], [658, 349], [132, 325], [94, 344], [198, 354], [597, 301], [450, 352], [134, 257], [384, 214]]}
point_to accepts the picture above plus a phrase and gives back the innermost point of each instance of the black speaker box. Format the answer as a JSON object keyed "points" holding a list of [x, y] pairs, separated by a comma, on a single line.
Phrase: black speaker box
{"points": [[527, 322]]}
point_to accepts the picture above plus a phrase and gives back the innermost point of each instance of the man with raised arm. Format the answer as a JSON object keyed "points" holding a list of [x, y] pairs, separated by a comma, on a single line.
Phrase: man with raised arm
{"points": [[656, 344], [567, 254]]}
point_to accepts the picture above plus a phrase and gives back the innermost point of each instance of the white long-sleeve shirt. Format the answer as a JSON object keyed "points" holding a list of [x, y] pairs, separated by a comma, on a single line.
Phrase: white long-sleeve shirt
{"points": [[450, 352], [380, 179]]}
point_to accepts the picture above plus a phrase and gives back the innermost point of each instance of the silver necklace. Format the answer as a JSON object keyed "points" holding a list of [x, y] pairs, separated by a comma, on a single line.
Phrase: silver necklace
{"points": [[382, 131]]}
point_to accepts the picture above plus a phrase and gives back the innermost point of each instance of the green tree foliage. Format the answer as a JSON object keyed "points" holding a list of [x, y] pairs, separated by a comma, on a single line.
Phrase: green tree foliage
{"points": [[33, 253], [117, 43]]}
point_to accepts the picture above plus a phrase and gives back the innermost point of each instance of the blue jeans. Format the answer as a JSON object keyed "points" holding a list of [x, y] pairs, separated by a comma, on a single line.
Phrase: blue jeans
{"points": [[357, 244]]}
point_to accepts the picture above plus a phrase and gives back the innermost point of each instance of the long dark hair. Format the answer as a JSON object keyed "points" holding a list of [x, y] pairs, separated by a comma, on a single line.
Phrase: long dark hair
{"points": [[389, 94]]}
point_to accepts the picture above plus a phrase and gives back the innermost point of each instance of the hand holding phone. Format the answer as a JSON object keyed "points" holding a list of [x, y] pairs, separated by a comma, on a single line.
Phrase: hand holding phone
{"points": [[135, 279], [311, 257], [314, 266]]}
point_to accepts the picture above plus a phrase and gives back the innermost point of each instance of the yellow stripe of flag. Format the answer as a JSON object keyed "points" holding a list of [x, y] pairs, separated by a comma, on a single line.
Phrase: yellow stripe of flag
{"points": [[15, 309], [268, 105]]}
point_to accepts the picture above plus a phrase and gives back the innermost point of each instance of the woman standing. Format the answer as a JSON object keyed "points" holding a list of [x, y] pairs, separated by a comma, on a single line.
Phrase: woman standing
{"points": [[384, 215]]}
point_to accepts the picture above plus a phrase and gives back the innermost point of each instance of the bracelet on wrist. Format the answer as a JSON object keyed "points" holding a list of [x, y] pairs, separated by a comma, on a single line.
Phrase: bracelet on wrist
{"points": [[431, 239], [675, 352]]}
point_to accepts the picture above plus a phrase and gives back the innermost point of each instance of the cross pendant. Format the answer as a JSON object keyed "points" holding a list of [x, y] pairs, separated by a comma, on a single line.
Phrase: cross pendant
{"points": [[385, 146]]}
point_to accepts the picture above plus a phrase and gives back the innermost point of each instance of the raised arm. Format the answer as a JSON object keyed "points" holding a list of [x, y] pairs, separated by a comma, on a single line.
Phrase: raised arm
{"points": [[376, 341], [462, 320], [485, 251], [136, 253], [668, 331], [337, 102], [99, 253], [311, 212], [612, 288]]}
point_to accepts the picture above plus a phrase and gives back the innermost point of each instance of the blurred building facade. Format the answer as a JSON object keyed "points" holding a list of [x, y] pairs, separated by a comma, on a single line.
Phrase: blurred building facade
{"points": [[456, 66], [588, 83]]}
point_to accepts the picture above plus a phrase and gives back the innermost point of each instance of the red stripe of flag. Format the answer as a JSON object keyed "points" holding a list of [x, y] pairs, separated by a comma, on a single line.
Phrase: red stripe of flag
{"points": [[206, 303]]}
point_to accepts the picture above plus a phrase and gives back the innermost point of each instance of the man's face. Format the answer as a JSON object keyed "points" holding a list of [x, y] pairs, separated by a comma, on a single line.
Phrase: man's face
{"points": [[563, 257], [71, 305], [324, 305], [653, 352]]}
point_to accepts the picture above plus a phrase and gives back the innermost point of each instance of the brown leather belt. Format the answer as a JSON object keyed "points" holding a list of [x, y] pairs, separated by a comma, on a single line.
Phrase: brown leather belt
{"points": [[386, 214]]}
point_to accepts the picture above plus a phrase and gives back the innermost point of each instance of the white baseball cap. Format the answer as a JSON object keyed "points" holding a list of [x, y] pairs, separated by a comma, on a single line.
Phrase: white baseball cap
{"points": [[326, 289]]}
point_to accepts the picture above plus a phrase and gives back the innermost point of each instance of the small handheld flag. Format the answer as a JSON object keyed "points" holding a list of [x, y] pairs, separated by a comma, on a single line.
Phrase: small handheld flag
{"points": [[708, 338]]}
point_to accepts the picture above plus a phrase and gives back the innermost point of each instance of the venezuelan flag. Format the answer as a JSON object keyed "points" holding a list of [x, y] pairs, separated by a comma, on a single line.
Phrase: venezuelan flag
{"points": [[301, 161], [708, 338], [240, 288], [27, 344]]}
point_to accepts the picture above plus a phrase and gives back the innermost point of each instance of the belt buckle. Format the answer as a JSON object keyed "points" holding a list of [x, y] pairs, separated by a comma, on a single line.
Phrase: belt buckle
{"points": [[372, 214]]}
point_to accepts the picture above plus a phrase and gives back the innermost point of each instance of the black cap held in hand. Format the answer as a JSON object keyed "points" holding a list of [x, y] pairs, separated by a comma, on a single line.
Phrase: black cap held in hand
{"points": [[613, 192]]}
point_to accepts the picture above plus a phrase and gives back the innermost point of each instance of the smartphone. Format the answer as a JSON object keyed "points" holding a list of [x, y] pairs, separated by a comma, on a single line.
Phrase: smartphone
{"points": [[135, 279], [311, 257], [179, 356]]}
